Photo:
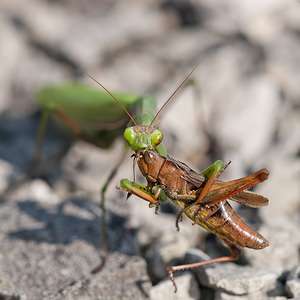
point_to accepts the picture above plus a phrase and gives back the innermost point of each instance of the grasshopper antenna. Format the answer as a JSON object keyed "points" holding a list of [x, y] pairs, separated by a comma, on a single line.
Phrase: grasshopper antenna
{"points": [[129, 115], [178, 88]]}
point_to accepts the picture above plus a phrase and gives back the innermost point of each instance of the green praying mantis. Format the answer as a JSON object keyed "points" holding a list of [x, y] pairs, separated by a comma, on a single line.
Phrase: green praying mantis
{"points": [[98, 117], [201, 196]]}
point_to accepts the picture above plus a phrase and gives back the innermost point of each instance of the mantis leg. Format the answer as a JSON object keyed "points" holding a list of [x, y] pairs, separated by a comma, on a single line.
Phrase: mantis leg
{"points": [[33, 164], [81, 134], [39, 143], [41, 134], [104, 249], [140, 191], [235, 255], [74, 127]]}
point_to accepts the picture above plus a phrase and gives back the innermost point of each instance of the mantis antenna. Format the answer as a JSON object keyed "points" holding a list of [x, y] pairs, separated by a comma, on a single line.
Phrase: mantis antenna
{"points": [[172, 95], [113, 98], [179, 87]]}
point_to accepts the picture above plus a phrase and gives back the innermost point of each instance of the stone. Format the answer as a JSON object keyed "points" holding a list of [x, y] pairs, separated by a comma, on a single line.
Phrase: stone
{"points": [[6, 174], [234, 279], [48, 250], [283, 172], [84, 162], [260, 100], [292, 285], [282, 253], [10, 53], [253, 296], [37, 191], [187, 289], [130, 281]]}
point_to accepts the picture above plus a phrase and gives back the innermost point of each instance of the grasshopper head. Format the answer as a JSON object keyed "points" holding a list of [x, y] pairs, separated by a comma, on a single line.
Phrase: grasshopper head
{"points": [[150, 163]]}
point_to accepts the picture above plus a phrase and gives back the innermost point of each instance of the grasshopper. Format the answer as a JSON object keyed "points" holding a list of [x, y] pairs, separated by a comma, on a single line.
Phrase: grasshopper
{"points": [[203, 199]]}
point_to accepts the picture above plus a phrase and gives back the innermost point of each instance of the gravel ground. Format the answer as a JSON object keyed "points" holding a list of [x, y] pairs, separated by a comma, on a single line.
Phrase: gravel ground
{"points": [[247, 111]]}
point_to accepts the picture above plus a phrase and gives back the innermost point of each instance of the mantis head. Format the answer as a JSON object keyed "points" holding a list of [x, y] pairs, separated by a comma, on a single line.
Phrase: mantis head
{"points": [[139, 137], [144, 136]]}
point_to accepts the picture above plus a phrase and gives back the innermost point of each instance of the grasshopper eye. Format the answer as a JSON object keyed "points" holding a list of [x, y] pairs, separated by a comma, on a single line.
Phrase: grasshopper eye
{"points": [[156, 137], [129, 135]]}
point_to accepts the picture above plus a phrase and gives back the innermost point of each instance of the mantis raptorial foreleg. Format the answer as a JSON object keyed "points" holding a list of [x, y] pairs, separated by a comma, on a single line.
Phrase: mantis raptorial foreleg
{"points": [[147, 194]]}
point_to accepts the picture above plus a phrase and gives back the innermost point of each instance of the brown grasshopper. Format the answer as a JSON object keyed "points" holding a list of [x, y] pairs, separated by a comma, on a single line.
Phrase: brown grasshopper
{"points": [[203, 199]]}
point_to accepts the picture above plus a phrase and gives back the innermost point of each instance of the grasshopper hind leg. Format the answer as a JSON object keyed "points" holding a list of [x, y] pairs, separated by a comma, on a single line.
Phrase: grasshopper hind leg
{"points": [[235, 253]]}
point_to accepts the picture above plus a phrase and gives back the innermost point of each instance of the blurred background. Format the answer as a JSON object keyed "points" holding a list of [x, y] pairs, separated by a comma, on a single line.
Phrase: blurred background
{"points": [[245, 107]]}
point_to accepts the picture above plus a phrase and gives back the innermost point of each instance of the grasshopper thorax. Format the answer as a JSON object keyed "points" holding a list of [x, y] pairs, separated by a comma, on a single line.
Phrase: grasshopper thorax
{"points": [[143, 137]]}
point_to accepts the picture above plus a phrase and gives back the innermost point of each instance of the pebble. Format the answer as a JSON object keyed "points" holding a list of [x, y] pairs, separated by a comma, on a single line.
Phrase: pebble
{"points": [[187, 289], [292, 285], [234, 279]]}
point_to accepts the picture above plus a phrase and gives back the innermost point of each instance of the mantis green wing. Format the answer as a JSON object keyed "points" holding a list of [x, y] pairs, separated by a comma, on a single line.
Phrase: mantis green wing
{"points": [[89, 113], [98, 117]]}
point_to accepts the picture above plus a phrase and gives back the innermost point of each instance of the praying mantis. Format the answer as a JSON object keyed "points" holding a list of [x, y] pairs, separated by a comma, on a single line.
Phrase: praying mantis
{"points": [[200, 196], [95, 117]]}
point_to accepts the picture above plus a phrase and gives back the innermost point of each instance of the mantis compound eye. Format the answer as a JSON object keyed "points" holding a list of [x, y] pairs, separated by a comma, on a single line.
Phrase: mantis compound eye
{"points": [[156, 137], [129, 135]]}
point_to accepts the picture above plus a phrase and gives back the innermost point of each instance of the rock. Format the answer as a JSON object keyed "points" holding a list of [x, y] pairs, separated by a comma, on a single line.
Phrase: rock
{"points": [[158, 235], [253, 296], [184, 113], [260, 101], [282, 64], [130, 282], [241, 280], [82, 40], [169, 250], [288, 133], [284, 240], [233, 279], [38, 191], [292, 285], [89, 166], [275, 294], [6, 174], [11, 51], [284, 171], [33, 63], [155, 226], [187, 289], [48, 249]]}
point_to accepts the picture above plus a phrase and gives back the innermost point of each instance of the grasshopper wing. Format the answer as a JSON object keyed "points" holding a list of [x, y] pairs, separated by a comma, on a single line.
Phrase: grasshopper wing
{"points": [[250, 199], [235, 190], [189, 174]]}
